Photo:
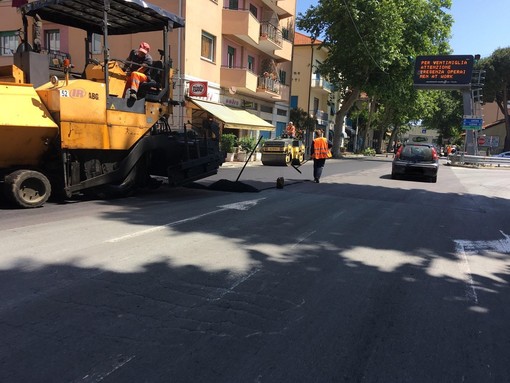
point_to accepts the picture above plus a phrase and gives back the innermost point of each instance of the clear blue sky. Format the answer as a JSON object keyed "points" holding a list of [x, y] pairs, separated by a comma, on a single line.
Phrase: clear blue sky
{"points": [[479, 25]]}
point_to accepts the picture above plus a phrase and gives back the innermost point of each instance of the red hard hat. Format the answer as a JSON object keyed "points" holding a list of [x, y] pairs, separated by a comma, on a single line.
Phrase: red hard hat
{"points": [[144, 47]]}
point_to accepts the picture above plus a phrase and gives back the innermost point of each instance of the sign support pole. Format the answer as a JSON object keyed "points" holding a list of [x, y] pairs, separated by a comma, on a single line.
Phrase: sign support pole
{"points": [[470, 144]]}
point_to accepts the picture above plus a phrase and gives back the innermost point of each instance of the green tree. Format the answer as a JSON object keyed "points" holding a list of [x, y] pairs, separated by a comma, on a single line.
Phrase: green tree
{"points": [[370, 44], [302, 120], [443, 113], [497, 84]]}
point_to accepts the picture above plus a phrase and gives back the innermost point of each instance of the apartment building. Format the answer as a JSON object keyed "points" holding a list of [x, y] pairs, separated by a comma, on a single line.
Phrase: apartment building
{"points": [[236, 53], [311, 91]]}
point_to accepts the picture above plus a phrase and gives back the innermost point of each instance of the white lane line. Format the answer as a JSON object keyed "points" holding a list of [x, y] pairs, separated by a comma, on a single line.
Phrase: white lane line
{"points": [[464, 267], [234, 285], [303, 238], [463, 248], [97, 377], [158, 228], [242, 206]]}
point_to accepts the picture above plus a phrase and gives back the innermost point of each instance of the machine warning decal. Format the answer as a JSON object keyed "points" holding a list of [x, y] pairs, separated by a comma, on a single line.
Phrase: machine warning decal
{"points": [[64, 93]]}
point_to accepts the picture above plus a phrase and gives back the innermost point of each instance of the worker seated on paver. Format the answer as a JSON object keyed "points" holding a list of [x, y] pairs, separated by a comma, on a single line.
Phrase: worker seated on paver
{"points": [[137, 70]]}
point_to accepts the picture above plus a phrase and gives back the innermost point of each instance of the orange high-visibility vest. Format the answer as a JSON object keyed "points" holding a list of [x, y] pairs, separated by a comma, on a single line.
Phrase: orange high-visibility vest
{"points": [[320, 148]]}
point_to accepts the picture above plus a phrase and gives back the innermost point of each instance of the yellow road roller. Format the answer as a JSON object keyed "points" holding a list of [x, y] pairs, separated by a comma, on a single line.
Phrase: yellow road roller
{"points": [[283, 152]]}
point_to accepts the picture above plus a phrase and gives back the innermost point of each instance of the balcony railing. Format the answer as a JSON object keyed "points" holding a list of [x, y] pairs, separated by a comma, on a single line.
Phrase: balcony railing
{"points": [[268, 84], [269, 31], [57, 58], [322, 84], [321, 115], [265, 86]]}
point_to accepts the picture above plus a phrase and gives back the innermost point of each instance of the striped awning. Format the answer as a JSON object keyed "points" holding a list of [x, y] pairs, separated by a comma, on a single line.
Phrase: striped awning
{"points": [[234, 118]]}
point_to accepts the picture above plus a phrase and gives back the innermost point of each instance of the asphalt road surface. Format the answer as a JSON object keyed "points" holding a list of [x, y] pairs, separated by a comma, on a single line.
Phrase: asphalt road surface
{"points": [[360, 278]]}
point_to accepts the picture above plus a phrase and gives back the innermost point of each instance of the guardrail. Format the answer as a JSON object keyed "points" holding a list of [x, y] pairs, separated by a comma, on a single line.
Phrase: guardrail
{"points": [[465, 159]]}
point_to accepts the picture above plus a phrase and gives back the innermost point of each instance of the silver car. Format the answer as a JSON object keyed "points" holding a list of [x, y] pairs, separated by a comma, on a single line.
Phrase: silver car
{"points": [[416, 159]]}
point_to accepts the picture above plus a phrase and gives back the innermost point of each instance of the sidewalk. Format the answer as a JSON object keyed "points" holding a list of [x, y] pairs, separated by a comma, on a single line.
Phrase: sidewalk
{"points": [[239, 164], [251, 163]]}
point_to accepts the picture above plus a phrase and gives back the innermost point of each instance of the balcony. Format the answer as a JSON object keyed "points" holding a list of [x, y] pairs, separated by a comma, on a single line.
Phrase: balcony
{"points": [[57, 59], [241, 79], [284, 93], [322, 85], [268, 88], [242, 24], [283, 8], [284, 54], [322, 117], [270, 38], [247, 82]]}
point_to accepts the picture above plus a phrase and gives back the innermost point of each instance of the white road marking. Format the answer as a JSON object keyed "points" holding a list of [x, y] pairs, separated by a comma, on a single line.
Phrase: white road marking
{"points": [[463, 248], [234, 285], [97, 377], [303, 238], [464, 267], [243, 205]]}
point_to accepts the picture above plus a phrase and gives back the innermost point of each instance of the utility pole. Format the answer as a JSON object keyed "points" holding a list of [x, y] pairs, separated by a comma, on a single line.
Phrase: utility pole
{"points": [[470, 142], [473, 119]]}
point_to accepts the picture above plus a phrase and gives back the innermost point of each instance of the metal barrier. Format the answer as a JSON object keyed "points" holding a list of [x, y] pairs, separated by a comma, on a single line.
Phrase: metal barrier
{"points": [[460, 159]]}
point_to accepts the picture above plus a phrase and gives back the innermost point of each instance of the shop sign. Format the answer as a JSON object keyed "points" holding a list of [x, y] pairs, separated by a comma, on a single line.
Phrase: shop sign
{"points": [[198, 88], [232, 102]]}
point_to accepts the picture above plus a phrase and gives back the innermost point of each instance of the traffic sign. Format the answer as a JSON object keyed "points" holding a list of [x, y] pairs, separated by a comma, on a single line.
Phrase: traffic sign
{"points": [[488, 141], [472, 123], [443, 72]]}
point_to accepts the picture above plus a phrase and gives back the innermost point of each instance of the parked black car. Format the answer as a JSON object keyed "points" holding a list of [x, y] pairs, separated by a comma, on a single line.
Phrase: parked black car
{"points": [[416, 159]]}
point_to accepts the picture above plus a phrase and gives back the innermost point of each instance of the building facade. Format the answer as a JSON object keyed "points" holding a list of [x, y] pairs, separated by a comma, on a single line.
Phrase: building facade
{"points": [[239, 50]]}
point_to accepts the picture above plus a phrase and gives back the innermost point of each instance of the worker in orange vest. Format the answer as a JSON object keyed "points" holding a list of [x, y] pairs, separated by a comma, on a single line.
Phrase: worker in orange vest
{"points": [[137, 69], [320, 151], [290, 130]]}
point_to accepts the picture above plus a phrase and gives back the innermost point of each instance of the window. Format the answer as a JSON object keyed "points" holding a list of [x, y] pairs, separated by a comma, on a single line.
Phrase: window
{"points": [[266, 109], [233, 4], [52, 40], [8, 43], [283, 76], [251, 63], [208, 46], [96, 43], [253, 10], [231, 57], [281, 112]]}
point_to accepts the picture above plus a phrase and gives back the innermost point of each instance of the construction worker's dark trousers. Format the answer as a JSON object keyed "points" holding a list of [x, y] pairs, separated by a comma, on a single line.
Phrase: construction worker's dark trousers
{"points": [[318, 165]]}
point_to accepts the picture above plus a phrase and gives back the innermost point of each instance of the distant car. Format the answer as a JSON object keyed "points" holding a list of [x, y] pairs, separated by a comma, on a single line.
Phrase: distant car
{"points": [[416, 159], [504, 155]]}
